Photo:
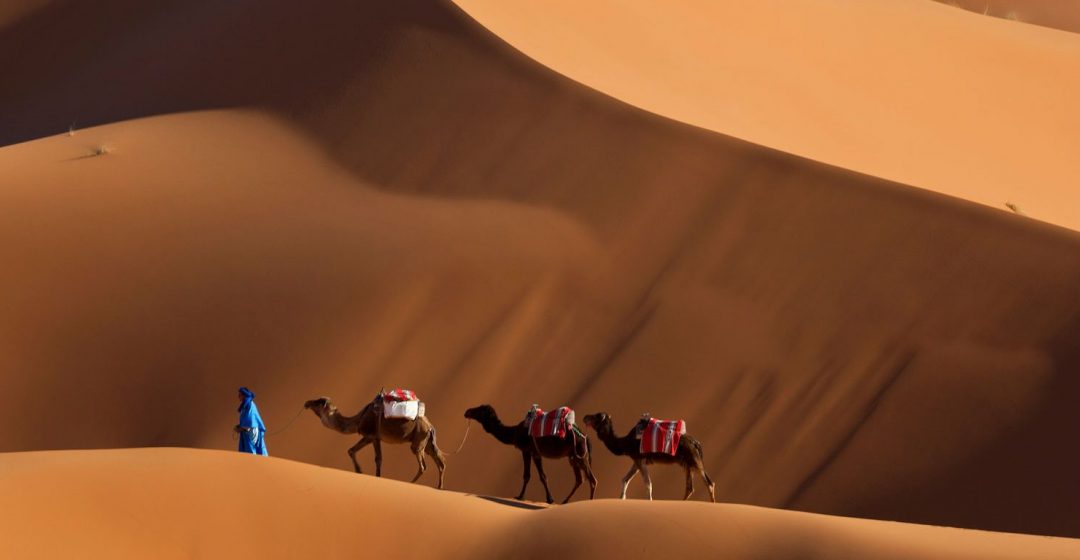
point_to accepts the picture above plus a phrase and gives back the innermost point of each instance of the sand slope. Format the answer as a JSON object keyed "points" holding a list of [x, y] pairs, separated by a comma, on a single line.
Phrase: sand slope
{"points": [[912, 91], [178, 503], [407, 201], [1048, 13]]}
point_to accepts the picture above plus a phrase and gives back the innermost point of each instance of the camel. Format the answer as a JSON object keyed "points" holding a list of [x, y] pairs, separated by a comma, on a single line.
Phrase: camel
{"points": [[688, 454], [552, 447], [374, 429]]}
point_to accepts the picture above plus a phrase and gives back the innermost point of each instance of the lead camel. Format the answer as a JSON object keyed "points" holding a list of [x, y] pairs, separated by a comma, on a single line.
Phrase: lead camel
{"points": [[420, 433]]}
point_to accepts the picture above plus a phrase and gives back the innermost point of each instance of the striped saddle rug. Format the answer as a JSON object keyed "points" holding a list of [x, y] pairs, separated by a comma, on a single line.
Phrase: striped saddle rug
{"points": [[552, 423], [661, 436]]}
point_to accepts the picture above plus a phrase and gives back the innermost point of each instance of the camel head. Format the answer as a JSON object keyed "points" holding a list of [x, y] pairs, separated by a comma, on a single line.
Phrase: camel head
{"points": [[480, 413], [319, 405], [597, 421]]}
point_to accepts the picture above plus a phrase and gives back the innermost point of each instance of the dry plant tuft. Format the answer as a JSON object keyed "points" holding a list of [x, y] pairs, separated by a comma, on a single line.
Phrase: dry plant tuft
{"points": [[1016, 209]]}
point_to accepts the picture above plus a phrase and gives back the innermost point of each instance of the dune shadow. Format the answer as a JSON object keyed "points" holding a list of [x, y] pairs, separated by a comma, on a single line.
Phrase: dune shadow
{"points": [[509, 502]]}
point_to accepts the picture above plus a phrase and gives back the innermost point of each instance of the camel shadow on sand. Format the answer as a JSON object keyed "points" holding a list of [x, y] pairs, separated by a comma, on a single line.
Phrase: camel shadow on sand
{"points": [[511, 503]]}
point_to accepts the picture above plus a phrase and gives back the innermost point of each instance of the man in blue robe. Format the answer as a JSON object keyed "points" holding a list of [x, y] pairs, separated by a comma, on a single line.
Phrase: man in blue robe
{"points": [[251, 427]]}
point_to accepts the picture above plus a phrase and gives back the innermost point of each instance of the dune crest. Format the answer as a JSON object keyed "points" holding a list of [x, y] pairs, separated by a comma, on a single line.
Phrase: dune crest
{"points": [[1047, 13], [914, 92]]}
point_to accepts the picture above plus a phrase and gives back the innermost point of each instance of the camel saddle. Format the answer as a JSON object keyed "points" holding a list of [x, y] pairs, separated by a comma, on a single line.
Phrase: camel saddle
{"points": [[399, 395], [399, 403], [557, 422], [660, 436]]}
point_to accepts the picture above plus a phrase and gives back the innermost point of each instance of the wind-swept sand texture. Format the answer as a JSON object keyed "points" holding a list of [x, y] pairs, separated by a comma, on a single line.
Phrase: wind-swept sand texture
{"points": [[180, 503], [908, 90], [405, 200]]}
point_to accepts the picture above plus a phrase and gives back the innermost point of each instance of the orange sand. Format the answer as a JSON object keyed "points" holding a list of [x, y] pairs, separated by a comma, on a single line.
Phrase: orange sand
{"points": [[179, 503], [909, 90], [1047, 13], [388, 194]]}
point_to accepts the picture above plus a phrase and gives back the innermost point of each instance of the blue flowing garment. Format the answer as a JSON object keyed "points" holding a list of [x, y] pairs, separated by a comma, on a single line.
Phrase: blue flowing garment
{"points": [[251, 437]]}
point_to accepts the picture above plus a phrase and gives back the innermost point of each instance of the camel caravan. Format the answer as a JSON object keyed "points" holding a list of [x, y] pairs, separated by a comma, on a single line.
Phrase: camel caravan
{"points": [[397, 416]]}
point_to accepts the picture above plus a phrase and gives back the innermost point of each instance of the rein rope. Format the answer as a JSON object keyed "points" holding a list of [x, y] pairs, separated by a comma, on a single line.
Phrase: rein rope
{"points": [[575, 433], [468, 426], [287, 426]]}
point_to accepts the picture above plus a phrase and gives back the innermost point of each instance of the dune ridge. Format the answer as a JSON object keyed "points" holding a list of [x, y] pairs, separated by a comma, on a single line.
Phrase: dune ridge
{"points": [[1047, 13], [912, 91]]}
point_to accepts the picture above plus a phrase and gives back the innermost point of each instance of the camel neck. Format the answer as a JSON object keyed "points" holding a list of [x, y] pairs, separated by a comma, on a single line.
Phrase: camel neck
{"points": [[505, 434], [606, 433], [335, 421]]}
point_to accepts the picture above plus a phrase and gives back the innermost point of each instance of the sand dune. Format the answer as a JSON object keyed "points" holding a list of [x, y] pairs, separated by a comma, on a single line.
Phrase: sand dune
{"points": [[912, 91], [403, 199], [175, 503]]}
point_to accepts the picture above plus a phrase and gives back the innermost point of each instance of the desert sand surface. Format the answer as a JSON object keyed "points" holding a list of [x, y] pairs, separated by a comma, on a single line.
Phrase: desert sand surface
{"points": [[1057, 14], [183, 503], [908, 90], [196, 197]]}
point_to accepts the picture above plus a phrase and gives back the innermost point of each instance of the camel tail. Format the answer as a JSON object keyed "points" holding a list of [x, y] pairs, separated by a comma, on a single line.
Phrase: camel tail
{"points": [[700, 460], [435, 443]]}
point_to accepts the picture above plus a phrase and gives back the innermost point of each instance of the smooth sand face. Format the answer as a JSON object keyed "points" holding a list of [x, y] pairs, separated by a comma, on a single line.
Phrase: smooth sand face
{"points": [[415, 204], [179, 503], [915, 92]]}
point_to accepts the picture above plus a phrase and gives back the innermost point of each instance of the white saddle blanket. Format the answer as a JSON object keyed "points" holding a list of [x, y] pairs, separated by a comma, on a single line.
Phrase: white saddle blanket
{"points": [[403, 409]]}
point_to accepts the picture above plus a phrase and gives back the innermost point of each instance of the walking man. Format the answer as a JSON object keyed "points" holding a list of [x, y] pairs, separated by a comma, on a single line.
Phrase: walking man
{"points": [[251, 427]]}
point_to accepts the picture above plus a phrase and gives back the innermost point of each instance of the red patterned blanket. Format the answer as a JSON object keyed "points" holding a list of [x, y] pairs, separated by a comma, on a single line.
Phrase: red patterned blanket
{"points": [[662, 436], [554, 423]]}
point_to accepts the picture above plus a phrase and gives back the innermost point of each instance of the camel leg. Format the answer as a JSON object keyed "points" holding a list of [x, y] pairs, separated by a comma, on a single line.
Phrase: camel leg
{"points": [[378, 458], [592, 480], [646, 479], [586, 466], [543, 477], [418, 447], [364, 442], [689, 483], [708, 481], [437, 456], [526, 474], [626, 479], [577, 480]]}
